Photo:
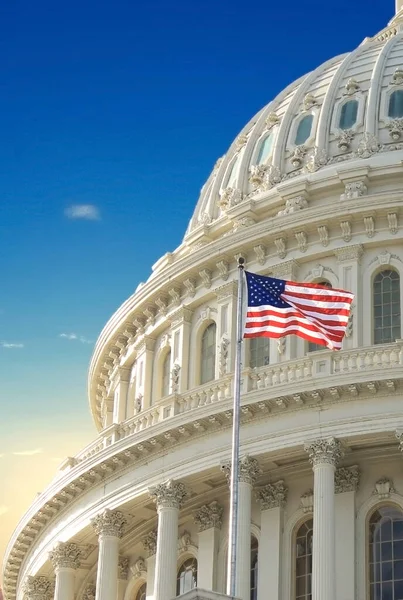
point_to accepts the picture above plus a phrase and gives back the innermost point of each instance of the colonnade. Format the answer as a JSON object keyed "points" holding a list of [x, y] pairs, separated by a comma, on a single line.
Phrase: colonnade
{"points": [[162, 546]]}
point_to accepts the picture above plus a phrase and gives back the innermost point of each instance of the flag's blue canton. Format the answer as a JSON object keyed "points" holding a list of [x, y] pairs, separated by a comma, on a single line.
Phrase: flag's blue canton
{"points": [[265, 290]]}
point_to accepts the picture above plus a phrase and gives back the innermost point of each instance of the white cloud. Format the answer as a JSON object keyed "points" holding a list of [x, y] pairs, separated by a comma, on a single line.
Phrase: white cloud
{"points": [[11, 345], [29, 452], [74, 336], [3, 509], [88, 212]]}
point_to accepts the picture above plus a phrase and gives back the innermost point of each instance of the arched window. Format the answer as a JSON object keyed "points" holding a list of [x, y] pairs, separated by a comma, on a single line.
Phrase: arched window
{"points": [[166, 375], [312, 347], [208, 350], [386, 299], [348, 114], [265, 150], [142, 592], [253, 568], [304, 130], [233, 172], [187, 576], [395, 109], [385, 553], [259, 352], [303, 562]]}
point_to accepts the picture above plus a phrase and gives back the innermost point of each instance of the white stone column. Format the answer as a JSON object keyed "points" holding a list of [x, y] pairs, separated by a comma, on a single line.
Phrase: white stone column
{"points": [[109, 527], [324, 455], [144, 361], [180, 343], [150, 546], [272, 498], [121, 386], [209, 520], [65, 558], [38, 588], [248, 471], [168, 497], [346, 484], [123, 572]]}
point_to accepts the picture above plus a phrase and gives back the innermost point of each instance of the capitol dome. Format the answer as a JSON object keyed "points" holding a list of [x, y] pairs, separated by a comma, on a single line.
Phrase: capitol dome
{"points": [[310, 190]]}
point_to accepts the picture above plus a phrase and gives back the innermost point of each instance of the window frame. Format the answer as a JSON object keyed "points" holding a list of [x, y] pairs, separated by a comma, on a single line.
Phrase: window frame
{"points": [[308, 517], [361, 98], [291, 145], [200, 354], [184, 559], [378, 272]]}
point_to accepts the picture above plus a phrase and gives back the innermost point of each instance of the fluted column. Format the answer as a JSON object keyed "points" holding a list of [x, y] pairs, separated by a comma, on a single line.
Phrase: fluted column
{"points": [[324, 455], [65, 558], [168, 497], [248, 471], [209, 520], [109, 527], [38, 588], [272, 498]]}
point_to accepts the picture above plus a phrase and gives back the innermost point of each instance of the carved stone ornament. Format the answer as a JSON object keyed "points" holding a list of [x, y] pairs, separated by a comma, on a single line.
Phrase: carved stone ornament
{"points": [[123, 567], [318, 158], [324, 451], [139, 567], [369, 225], [307, 502], [204, 219], [392, 223], [345, 227], [170, 494], [230, 197], [323, 233], [248, 470], [257, 175], [65, 555], [344, 139], [264, 177], [38, 588], [353, 190], [351, 87], [223, 358], [272, 495], [241, 141], [272, 120], [384, 488], [260, 252], [281, 246], [208, 516], [297, 157], [397, 77], [293, 205], [281, 345], [138, 403], [348, 253], [395, 127], [302, 241], [242, 222], [368, 146], [109, 523], [150, 543], [175, 376], [184, 542], [89, 592], [223, 269], [309, 102], [346, 479], [205, 275]]}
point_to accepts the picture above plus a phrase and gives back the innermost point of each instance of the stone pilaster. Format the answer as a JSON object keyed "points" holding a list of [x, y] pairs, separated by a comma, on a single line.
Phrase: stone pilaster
{"points": [[209, 521], [38, 588], [324, 455], [144, 365], [121, 387], [150, 546], [169, 498], [226, 326], [248, 472], [180, 335], [65, 558], [272, 498], [349, 259], [109, 526]]}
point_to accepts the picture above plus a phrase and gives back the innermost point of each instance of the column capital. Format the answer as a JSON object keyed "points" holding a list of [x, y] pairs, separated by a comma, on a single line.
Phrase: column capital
{"points": [[109, 523], [150, 543], [272, 495], [123, 567], [346, 479], [65, 555], [38, 588], [170, 494], [324, 451], [89, 592], [248, 470], [208, 516]]}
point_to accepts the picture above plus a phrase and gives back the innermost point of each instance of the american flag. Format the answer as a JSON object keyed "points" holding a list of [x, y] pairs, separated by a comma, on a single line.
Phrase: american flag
{"points": [[277, 308]]}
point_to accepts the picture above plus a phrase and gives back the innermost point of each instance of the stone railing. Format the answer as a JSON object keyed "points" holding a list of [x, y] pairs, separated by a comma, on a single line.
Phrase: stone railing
{"points": [[349, 366]]}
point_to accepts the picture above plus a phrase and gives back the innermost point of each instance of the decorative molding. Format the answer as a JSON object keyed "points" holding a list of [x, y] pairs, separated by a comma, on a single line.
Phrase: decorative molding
{"points": [[281, 345], [395, 127], [306, 502], [248, 470], [206, 313], [223, 357], [175, 295], [89, 592], [317, 159], [65, 555], [368, 146], [38, 588], [397, 77], [190, 286], [344, 139], [294, 205], [286, 270], [123, 567], [323, 233], [208, 516], [302, 240], [309, 102], [205, 275], [354, 190], [184, 542], [324, 451], [392, 223], [281, 245], [109, 523], [260, 252], [272, 495], [345, 227], [271, 120], [226, 291], [297, 157], [139, 568], [223, 269], [170, 494], [384, 488], [150, 543], [351, 87], [369, 225], [346, 479], [175, 378], [229, 197], [348, 253]]}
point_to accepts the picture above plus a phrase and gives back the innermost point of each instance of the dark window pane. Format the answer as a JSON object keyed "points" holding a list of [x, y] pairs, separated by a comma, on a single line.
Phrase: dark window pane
{"points": [[396, 104], [398, 549], [387, 571], [386, 551], [387, 591], [348, 114], [398, 569], [398, 530]]}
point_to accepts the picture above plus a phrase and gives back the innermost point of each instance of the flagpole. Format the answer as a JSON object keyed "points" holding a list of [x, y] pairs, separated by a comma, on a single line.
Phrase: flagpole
{"points": [[234, 492]]}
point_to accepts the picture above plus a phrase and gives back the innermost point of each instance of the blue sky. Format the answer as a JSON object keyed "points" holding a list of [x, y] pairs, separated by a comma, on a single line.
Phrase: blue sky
{"points": [[123, 107]]}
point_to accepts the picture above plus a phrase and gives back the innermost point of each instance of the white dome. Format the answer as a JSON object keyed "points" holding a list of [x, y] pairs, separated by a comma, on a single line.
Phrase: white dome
{"points": [[268, 151]]}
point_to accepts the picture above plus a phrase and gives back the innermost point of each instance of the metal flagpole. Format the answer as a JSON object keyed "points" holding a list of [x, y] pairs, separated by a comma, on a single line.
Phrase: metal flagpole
{"points": [[233, 515]]}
